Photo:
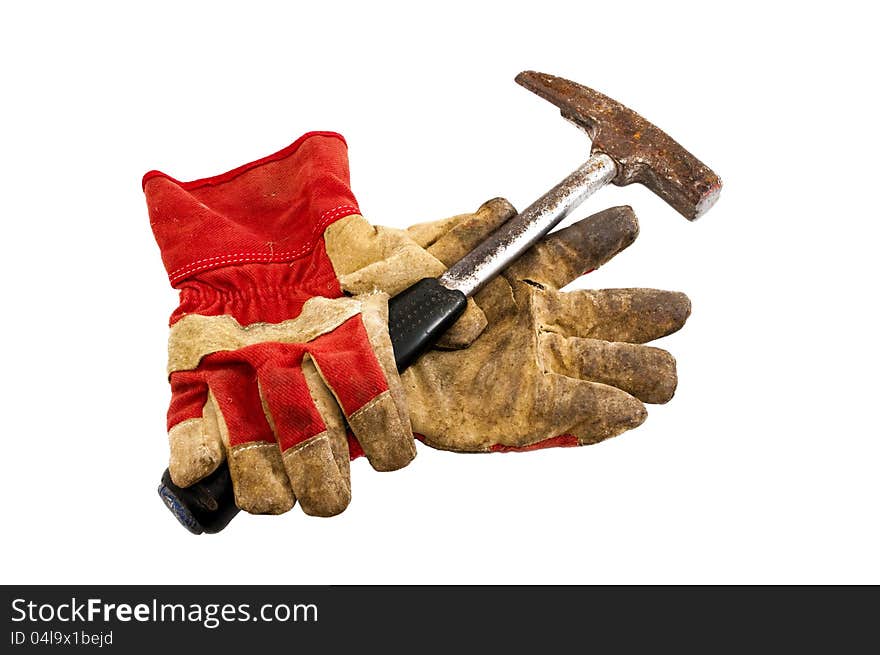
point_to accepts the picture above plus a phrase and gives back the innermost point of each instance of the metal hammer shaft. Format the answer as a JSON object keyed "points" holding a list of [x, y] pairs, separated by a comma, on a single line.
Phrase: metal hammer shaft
{"points": [[521, 232], [418, 316]]}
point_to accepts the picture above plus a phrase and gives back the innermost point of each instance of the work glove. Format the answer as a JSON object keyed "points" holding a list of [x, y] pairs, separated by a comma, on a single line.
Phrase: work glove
{"points": [[551, 368], [280, 338]]}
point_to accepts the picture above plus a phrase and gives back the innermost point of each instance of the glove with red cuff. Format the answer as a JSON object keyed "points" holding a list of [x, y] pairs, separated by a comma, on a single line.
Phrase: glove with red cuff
{"points": [[267, 353]]}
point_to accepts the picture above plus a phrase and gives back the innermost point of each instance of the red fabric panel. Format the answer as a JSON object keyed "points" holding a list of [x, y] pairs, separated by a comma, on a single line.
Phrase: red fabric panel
{"points": [[562, 441], [354, 447], [272, 210], [348, 364], [293, 411], [189, 393], [234, 386]]}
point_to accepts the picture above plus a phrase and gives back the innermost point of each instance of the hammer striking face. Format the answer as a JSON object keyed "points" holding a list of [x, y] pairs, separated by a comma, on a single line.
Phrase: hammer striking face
{"points": [[642, 152]]}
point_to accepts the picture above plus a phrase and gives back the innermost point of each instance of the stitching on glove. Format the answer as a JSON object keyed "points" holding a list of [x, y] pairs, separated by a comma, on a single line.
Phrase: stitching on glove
{"points": [[308, 442], [250, 446], [366, 407], [325, 219]]}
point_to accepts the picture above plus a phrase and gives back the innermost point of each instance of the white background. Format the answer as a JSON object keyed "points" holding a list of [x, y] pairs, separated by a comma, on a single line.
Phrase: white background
{"points": [[762, 469]]}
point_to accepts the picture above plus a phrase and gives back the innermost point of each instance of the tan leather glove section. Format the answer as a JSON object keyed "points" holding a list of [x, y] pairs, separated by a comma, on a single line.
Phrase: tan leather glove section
{"points": [[550, 363], [368, 258]]}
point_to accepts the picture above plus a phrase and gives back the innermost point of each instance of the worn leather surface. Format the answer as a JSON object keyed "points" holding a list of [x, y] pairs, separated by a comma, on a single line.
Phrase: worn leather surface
{"points": [[551, 367]]}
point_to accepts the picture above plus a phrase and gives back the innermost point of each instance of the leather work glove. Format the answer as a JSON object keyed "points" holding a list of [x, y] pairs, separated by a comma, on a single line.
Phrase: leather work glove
{"points": [[281, 329], [551, 368]]}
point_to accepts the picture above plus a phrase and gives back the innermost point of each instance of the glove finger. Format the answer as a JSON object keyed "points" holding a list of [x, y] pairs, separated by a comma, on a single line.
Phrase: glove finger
{"points": [[642, 371], [196, 449], [452, 238], [304, 440], [319, 467], [567, 412], [400, 270], [258, 477], [428, 232], [567, 254], [593, 411], [630, 315], [456, 237], [374, 406], [465, 330], [367, 258]]}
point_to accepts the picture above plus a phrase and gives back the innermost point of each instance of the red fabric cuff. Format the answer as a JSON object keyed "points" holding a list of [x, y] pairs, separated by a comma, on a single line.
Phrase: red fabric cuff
{"points": [[274, 209]]}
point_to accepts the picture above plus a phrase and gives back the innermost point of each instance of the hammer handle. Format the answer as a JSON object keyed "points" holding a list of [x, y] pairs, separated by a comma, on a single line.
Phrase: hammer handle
{"points": [[418, 316]]}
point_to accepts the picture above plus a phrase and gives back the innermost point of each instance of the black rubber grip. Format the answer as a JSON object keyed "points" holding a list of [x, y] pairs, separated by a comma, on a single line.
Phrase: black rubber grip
{"points": [[207, 506], [418, 316]]}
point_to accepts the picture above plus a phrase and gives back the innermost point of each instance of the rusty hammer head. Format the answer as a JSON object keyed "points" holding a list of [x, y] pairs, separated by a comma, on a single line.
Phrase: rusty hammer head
{"points": [[643, 152]]}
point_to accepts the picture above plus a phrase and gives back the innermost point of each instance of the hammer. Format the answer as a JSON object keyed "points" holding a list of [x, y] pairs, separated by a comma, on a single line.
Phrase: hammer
{"points": [[625, 149]]}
